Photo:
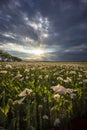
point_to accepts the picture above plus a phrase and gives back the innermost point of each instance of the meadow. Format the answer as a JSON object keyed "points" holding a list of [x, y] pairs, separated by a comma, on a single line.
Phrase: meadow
{"points": [[42, 95]]}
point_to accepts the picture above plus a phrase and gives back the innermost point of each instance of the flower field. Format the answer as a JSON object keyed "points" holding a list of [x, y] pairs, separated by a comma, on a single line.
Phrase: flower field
{"points": [[41, 95]]}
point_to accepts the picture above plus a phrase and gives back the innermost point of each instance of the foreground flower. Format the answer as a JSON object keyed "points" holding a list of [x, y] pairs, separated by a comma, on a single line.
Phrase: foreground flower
{"points": [[69, 90], [67, 80], [56, 96], [19, 101], [45, 117], [62, 90], [73, 72], [3, 72], [18, 75], [25, 92], [72, 95], [57, 122], [26, 70], [59, 89], [46, 77], [60, 78], [8, 66], [84, 80]]}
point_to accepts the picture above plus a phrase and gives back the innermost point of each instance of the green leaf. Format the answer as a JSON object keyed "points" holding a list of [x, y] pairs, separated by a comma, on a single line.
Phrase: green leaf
{"points": [[2, 116], [6, 109]]}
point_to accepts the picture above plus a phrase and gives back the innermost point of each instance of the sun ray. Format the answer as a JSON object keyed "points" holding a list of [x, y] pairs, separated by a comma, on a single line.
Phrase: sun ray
{"points": [[37, 52]]}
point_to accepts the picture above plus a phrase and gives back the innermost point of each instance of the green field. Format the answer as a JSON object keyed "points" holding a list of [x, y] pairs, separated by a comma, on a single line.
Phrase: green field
{"points": [[41, 95]]}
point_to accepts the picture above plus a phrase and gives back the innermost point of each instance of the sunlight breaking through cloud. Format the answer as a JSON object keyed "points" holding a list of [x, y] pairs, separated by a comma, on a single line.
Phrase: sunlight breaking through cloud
{"points": [[59, 28]]}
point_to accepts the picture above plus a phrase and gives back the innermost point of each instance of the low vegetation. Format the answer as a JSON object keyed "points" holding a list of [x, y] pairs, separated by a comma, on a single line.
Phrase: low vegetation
{"points": [[39, 96]]}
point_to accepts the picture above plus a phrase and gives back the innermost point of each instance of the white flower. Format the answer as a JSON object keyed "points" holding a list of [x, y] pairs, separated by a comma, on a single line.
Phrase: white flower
{"points": [[46, 76], [45, 117], [60, 78], [21, 100], [32, 75], [56, 96], [80, 82], [25, 92], [73, 72], [8, 67], [69, 90], [40, 77], [18, 75], [57, 122], [26, 77], [26, 70], [72, 95], [67, 80], [85, 81], [59, 89], [80, 76], [3, 72]]}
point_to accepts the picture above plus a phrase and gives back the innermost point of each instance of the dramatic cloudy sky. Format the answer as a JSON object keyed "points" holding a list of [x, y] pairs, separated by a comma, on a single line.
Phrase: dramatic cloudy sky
{"points": [[51, 30]]}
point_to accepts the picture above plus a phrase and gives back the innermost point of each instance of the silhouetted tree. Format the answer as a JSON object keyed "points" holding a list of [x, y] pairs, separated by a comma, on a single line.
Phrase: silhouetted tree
{"points": [[4, 56]]}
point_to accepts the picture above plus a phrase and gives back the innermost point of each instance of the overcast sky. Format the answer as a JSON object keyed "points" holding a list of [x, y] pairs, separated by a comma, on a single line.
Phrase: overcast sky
{"points": [[49, 30]]}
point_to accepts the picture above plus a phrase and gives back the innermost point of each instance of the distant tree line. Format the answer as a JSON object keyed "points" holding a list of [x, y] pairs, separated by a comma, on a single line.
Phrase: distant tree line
{"points": [[4, 56]]}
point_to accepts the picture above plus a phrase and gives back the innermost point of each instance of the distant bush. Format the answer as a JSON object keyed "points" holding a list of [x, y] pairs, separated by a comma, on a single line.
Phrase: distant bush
{"points": [[4, 56]]}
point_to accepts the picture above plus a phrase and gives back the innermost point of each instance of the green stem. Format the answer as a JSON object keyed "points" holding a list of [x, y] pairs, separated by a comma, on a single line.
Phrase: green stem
{"points": [[17, 120], [4, 106]]}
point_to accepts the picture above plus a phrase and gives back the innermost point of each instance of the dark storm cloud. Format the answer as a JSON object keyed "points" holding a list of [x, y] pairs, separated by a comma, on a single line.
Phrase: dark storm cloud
{"points": [[19, 54], [11, 18], [60, 25]]}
